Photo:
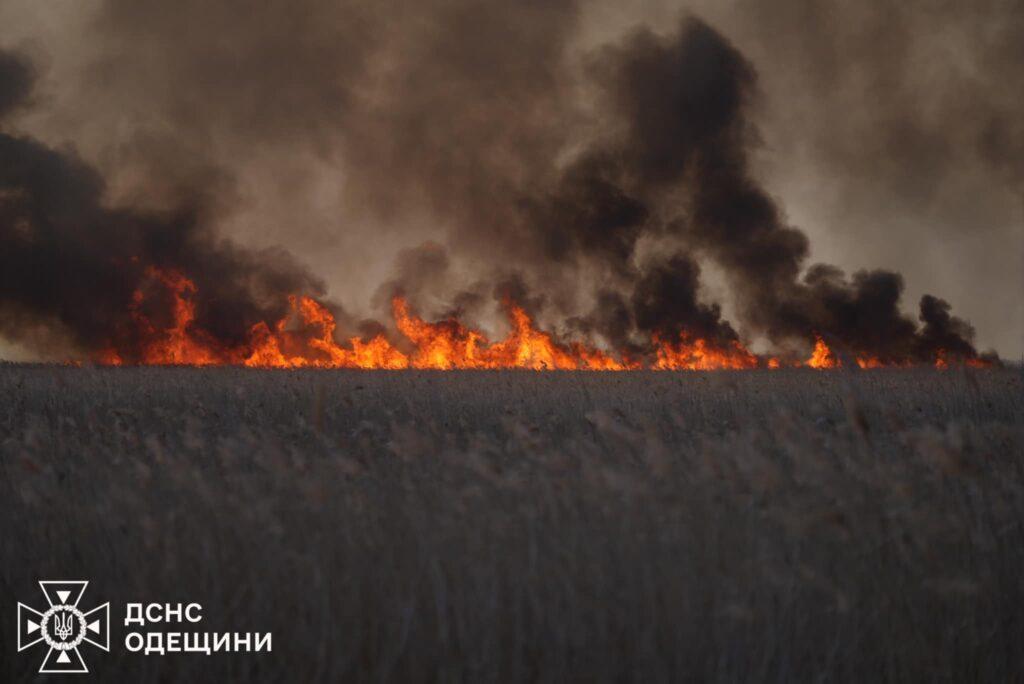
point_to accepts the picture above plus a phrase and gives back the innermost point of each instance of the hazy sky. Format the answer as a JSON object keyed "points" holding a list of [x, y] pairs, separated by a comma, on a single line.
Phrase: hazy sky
{"points": [[891, 133]]}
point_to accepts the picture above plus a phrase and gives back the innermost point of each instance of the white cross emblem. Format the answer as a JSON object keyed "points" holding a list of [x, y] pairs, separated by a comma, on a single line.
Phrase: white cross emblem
{"points": [[63, 626]]}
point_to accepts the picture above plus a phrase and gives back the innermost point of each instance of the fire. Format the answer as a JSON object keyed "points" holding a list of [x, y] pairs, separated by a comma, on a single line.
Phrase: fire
{"points": [[313, 344], [822, 356], [180, 343], [942, 361], [699, 355], [106, 357], [305, 337], [448, 344], [443, 345]]}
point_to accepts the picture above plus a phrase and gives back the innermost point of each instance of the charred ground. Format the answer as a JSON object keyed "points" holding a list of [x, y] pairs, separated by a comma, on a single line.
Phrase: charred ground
{"points": [[424, 526]]}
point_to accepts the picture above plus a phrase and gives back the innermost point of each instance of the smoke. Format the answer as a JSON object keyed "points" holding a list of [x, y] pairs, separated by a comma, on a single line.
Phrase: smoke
{"points": [[685, 99], [665, 304], [672, 158], [895, 137], [70, 266], [594, 182], [15, 82], [678, 164], [943, 331]]}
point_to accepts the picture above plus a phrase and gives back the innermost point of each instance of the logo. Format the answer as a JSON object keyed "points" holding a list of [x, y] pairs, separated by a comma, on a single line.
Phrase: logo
{"points": [[64, 627]]}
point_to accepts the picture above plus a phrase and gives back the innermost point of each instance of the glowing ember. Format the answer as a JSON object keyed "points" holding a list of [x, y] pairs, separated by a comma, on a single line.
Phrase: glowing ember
{"points": [[305, 338]]}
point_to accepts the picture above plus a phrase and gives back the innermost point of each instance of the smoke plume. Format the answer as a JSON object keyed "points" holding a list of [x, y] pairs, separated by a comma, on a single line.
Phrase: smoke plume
{"points": [[503, 157], [71, 268]]}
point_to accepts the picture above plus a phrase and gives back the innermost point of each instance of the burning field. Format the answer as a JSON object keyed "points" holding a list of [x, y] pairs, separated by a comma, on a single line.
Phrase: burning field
{"points": [[517, 341], [305, 338], [601, 268]]}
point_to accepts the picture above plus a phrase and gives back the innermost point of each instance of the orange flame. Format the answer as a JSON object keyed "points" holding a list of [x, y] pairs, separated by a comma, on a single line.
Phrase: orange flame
{"points": [[448, 344], [942, 361], [822, 356], [180, 343], [313, 345], [305, 338], [699, 355]]}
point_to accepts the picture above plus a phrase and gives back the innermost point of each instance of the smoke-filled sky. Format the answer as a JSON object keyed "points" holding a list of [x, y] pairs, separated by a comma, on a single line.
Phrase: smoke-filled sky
{"points": [[737, 169]]}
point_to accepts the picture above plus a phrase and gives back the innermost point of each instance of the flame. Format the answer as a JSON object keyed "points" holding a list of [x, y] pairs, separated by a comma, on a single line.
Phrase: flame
{"points": [[699, 355], [305, 337], [313, 344], [448, 344], [942, 361], [180, 343], [822, 356], [107, 357]]}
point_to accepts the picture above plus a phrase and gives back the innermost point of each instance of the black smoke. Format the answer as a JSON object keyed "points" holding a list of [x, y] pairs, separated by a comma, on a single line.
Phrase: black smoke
{"points": [[463, 115], [679, 167], [676, 165], [16, 78], [686, 100], [70, 265]]}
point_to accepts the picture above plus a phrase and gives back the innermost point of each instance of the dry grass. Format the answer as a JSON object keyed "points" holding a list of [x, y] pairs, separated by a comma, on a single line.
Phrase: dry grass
{"points": [[510, 526]]}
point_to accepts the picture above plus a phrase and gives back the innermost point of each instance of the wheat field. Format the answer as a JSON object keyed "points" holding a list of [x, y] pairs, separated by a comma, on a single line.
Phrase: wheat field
{"points": [[761, 526]]}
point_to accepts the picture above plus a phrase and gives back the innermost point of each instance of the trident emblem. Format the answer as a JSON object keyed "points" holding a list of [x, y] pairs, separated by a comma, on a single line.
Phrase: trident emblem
{"points": [[62, 626]]}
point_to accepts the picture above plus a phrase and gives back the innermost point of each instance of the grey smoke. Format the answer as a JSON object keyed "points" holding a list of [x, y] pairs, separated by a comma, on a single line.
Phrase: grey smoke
{"points": [[498, 130]]}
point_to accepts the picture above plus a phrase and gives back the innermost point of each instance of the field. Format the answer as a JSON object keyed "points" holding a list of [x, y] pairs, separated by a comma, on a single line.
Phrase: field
{"points": [[762, 526]]}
